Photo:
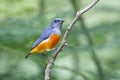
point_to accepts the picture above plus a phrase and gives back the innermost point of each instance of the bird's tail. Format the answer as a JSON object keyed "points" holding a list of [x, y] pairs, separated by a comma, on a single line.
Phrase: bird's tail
{"points": [[27, 55]]}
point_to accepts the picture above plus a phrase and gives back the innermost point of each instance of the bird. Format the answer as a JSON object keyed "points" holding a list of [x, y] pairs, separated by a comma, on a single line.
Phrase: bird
{"points": [[48, 39]]}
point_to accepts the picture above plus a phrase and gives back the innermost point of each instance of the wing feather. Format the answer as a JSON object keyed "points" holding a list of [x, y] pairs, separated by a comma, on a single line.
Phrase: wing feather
{"points": [[45, 35]]}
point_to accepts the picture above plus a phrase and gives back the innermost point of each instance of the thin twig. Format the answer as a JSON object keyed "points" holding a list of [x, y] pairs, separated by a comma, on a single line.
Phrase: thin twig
{"points": [[78, 14], [93, 53]]}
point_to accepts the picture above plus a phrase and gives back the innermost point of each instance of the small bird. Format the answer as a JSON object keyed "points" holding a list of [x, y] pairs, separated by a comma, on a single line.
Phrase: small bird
{"points": [[48, 39]]}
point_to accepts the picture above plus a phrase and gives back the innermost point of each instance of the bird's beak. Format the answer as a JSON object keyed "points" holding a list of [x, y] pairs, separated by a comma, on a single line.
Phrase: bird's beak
{"points": [[61, 21]]}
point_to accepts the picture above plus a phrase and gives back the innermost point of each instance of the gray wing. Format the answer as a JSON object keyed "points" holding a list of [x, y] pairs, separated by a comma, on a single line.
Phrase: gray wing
{"points": [[43, 36]]}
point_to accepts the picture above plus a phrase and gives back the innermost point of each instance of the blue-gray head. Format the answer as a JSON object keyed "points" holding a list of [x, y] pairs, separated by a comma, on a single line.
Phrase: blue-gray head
{"points": [[57, 23]]}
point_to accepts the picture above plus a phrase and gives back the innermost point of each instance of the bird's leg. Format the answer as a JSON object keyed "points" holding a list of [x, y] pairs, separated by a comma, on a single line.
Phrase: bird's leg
{"points": [[47, 59]]}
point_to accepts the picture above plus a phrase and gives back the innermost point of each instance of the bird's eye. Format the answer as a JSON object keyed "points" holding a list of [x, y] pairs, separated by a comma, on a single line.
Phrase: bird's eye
{"points": [[57, 20]]}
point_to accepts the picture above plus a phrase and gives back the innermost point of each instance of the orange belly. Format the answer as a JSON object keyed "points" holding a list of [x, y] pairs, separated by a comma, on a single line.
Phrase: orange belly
{"points": [[47, 44]]}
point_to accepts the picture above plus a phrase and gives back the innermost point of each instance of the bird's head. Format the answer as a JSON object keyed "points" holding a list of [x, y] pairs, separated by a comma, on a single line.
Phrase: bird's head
{"points": [[57, 23]]}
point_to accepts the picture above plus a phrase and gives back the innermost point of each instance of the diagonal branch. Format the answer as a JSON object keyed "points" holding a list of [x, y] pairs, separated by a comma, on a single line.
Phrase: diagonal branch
{"points": [[90, 41], [78, 14]]}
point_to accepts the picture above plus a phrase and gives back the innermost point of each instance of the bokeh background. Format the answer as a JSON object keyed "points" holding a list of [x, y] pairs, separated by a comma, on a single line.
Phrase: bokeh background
{"points": [[22, 21]]}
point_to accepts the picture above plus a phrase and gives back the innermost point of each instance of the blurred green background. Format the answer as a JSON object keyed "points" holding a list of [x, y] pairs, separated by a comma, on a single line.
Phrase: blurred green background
{"points": [[22, 21]]}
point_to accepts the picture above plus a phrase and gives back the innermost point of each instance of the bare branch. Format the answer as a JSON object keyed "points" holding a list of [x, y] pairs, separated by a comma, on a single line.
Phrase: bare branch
{"points": [[64, 40]]}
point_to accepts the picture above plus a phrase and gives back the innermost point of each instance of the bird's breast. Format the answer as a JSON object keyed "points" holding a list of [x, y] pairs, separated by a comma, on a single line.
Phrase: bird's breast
{"points": [[56, 31], [53, 40]]}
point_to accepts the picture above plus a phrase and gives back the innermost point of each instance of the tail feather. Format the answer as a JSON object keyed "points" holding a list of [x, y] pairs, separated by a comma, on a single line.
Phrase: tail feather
{"points": [[27, 56]]}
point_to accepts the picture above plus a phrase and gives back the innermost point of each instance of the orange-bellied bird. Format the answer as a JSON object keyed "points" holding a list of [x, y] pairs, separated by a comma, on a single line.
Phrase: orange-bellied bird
{"points": [[48, 39]]}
